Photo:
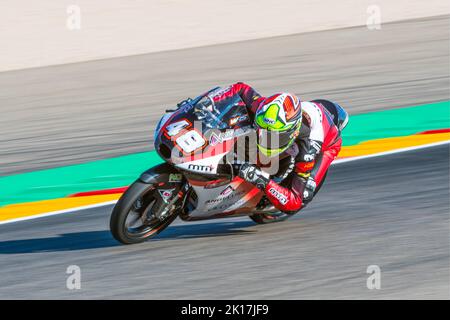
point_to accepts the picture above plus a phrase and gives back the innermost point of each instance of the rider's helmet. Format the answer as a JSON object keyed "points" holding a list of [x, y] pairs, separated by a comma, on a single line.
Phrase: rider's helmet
{"points": [[277, 121]]}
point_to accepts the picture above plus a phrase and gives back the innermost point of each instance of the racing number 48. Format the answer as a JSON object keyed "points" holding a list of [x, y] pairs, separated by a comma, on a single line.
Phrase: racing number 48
{"points": [[189, 140]]}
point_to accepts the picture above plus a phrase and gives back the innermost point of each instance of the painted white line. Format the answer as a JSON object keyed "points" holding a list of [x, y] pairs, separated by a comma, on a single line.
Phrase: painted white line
{"points": [[54, 213], [391, 152], [102, 204]]}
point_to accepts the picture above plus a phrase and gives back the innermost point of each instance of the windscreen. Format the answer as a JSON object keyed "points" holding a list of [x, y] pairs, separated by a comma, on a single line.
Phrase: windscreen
{"points": [[223, 113]]}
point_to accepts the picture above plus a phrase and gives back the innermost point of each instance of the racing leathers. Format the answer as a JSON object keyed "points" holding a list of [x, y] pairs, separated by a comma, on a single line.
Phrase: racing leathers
{"points": [[316, 146]]}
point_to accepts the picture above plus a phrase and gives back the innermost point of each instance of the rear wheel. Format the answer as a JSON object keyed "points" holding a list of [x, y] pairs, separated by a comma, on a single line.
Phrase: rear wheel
{"points": [[264, 218], [135, 217]]}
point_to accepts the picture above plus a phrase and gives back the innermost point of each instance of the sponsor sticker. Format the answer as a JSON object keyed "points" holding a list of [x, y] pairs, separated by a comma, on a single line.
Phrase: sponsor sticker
{"points": [[200, 168], [223, 202], [238, 119], [269, 120], [227, 191], [214, 140], [166, 194], [175, 177], [219, 92], [281, 197], [217, 138]]}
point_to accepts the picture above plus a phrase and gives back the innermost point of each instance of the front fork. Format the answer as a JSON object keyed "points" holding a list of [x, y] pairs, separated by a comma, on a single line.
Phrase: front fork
{"points": [[170, 189]]}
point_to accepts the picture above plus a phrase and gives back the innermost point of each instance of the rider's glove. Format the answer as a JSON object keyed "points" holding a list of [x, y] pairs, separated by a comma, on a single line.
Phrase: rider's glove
{"points": [[310, 187], [314, 147], [253, 174]]}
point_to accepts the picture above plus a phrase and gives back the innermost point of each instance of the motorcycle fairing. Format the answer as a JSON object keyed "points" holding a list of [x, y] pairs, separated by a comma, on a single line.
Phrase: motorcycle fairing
{"points": [[234, 198], [199, 152]]}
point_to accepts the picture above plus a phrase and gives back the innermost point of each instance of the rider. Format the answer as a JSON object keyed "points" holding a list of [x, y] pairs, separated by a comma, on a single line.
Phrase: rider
{"points": [[304, 130]]}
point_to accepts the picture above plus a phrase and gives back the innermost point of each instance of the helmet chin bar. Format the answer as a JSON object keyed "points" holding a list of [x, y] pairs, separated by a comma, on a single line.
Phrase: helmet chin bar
{"points": [[271, 153]]}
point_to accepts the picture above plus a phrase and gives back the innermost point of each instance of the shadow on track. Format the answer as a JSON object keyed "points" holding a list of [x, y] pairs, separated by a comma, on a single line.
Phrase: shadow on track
{"points": [[103, 239]]}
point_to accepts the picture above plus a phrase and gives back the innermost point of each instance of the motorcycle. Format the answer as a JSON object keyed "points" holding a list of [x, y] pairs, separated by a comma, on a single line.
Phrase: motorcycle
{"points": [[202, 142]]}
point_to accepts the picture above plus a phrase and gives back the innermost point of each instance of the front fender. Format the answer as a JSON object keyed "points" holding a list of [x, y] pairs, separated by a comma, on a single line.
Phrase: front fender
{"points": [[162, 173], [169, 185]]}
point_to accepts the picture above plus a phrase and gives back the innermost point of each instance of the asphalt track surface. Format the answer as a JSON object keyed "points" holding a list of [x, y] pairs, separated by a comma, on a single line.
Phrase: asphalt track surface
{"points": [[390, 211], [73, 113]]}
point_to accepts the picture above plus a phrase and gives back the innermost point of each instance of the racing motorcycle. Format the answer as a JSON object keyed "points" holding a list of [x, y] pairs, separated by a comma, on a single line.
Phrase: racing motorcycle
{"points": [[202, 142]]}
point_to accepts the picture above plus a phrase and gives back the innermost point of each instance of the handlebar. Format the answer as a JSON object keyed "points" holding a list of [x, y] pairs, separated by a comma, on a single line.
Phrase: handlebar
{"points": [[192, 102]]}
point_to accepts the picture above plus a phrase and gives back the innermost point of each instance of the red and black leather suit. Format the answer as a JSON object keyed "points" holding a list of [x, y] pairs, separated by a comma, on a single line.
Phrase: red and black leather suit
{"points": [[317, 145]]}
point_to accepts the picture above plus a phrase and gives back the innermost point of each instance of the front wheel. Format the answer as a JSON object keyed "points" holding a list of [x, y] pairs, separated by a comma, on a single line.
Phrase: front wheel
{"points": [[140, 214]]}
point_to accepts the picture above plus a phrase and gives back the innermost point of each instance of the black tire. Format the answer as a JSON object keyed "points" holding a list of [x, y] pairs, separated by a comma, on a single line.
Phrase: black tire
{"points": [[119, 230], [265, 218]]}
